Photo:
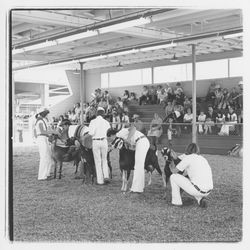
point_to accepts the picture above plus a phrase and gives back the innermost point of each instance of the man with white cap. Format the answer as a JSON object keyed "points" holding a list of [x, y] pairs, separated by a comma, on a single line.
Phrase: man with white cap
{"points": [[42, 132], [98, 128]]}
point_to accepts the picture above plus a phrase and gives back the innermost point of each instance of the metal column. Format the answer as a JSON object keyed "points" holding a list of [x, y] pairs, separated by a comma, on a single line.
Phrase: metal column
{"points": [[194, 128], [81, 91]]}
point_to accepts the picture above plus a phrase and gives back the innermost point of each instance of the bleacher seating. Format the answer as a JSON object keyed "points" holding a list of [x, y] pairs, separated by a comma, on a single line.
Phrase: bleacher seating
{"points": [[210, 144]]}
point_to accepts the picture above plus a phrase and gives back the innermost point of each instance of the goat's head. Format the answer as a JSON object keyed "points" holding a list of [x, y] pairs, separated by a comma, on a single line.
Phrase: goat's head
{"points": [[166, 153], [52, 138], [117, 143], [72, 141]]}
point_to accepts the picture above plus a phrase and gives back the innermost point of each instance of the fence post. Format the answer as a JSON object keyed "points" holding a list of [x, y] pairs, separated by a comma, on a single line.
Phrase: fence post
{"points": [[194, 134]]}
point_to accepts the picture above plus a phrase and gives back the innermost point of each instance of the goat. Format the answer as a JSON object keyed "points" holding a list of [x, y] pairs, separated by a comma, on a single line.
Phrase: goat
{"points": [[63, 154], [127, 162], [89, 170], [166, 153]]}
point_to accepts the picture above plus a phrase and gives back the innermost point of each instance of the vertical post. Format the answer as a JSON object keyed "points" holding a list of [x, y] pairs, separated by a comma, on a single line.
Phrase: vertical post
{"points": [[81, 91], [152, 74], [194, 134], [228, 68]]}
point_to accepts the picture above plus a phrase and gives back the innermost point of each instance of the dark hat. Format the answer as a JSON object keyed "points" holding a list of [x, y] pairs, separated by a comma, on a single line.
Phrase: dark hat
{"points": [[65, 122]]}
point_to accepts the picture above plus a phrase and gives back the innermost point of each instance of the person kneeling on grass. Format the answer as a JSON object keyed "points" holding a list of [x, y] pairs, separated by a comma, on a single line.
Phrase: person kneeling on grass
{"points": [[199, 182]]}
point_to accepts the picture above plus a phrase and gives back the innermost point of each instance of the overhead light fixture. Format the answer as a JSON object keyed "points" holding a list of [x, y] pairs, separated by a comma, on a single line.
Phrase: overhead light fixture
{"points": [[123, 52], [92, 58], [124, 25], [163, 46], [174, 59], [88, 33], [233, 35], [35, 46]]}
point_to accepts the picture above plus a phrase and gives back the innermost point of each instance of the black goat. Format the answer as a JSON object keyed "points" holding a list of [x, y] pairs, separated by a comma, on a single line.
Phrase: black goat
{"points": [[166, 153], [89, 170], [63, 154], [127, 162]]}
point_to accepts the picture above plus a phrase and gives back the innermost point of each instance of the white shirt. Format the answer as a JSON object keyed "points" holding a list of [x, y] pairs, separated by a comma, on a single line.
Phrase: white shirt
{"points": [[188, 117], [123, 133], [198, 170], [98, 127], [202, 118]]}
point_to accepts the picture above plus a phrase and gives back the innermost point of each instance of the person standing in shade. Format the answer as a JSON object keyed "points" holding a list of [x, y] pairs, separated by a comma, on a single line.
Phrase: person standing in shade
{"points": [[135, 138], [98, 128], [199, 182], [42, 133]]}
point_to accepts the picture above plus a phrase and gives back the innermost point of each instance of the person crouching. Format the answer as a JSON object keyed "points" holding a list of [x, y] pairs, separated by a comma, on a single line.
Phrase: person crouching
{"points": [[199, 182], [98, 128]]}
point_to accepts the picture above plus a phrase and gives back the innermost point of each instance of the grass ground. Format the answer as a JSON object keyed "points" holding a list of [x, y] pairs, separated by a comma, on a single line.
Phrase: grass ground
{"points": [[67, 210]]}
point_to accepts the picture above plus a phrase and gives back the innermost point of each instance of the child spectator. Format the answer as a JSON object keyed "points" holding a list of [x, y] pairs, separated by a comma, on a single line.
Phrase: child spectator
{"points": [[225, 99], [220, 120], [171, 131], [107, 97], [188, 117], [158, 92], [119, 102], [211, 95], [161, 97], [210, 120], [169, 108], [125, 97], [125, 119], [133, 98], [201, 120], [218, 97], [115, 121]]}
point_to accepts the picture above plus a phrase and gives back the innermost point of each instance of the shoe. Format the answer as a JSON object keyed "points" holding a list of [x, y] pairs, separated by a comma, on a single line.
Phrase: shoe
{"points": [[203, 203], [106, 180], [175, 205]]}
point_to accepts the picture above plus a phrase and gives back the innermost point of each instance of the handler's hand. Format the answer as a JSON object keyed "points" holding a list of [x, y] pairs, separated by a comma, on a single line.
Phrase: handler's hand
{"points": [[173, 154]]}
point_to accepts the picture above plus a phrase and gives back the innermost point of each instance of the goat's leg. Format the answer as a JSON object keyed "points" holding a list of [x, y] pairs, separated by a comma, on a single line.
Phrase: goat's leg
{"points": [[126, 181], [55, 169], [150, 178], [60, 171], [123, 180], [76, 163]]}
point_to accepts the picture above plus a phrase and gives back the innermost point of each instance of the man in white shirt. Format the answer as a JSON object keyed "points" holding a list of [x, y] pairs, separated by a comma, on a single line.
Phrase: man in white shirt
{"points": [[98, 128], [200, 182], [139, 140]]}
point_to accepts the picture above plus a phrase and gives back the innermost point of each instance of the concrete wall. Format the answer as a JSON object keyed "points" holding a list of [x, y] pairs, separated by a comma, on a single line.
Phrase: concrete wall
{"points": [[67, 104]]}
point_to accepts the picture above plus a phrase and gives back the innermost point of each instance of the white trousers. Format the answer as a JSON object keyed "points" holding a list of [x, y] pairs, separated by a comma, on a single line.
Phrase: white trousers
{"points": [[100, 150], [179, 181], [141, 150], [46, 161]]}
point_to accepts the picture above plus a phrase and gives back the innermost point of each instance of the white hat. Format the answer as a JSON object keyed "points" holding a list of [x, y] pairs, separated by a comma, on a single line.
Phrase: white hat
{"points": [[135, 116], [100, 109], [41, 109]]}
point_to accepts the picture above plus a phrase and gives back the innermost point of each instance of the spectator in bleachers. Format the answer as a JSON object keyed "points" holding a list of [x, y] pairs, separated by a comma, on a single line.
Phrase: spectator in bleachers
{"points": [[233, 97], [152, 95], [171, 130], [125, 119], [170, 96], [70, 115], [201, 120], [155, 130], [161, 95], [239, 99], [187, 103], [179, 96], [133, 98], [91, 113], [119, 102], [178, 88], [158, 93], [169, 109], [231, 117], [218, 97], [225, 100], [210, 120], [115, 121], [61, 118], [103, 104], [211, 95], [138, 123], [118, 108], [125, 97], [188, 118], [220, 120], [107, 97], [144, 96]]}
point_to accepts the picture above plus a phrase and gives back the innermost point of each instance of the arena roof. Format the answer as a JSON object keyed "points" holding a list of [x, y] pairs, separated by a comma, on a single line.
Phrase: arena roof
{"points": [[48, 36]]}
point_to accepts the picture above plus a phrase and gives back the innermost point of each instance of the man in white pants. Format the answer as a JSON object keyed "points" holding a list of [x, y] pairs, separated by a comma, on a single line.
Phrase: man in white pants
{"points": [[98, 128], [200, 182], [139, 140]]}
